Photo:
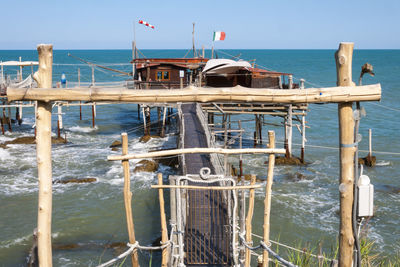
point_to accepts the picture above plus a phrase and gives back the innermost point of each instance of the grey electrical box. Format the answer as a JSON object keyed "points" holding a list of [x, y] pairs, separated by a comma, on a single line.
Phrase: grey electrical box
{"points": [[365, 197]]}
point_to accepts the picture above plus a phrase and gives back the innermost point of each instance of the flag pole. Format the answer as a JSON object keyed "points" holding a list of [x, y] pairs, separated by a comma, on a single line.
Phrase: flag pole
{"points": [[212, 48]]}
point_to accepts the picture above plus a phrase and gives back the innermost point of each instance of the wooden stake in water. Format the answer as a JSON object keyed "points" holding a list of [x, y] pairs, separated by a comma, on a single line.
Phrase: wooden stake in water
{"points": [[164, 231], [248, 221], [267, 199], [128, 199], [370, 144]]}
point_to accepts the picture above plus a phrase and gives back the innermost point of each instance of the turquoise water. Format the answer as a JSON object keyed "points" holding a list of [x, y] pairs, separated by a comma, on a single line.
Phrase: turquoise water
{"points": [[92, 215]]}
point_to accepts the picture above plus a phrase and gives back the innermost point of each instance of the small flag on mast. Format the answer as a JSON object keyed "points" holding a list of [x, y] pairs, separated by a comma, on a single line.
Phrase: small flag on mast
{"points": [[146, 24], [219, 36]]}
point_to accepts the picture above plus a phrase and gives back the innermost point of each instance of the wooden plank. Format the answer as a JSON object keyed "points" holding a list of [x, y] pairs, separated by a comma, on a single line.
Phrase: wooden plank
{"points": [[198, 150], [195, 187], [195, 94]]}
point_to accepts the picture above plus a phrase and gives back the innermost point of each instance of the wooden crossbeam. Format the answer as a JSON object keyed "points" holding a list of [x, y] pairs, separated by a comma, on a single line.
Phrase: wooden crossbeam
{"points": [[236, 94]]}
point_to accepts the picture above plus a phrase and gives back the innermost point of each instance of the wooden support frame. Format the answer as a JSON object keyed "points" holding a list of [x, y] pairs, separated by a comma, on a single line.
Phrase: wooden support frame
{"points": [[43, 153], [347, 151], [128, 200]]}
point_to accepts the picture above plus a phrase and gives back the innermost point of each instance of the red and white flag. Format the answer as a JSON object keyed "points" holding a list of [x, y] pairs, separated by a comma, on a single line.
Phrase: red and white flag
{"points": [[146, 24], [219, 36]]}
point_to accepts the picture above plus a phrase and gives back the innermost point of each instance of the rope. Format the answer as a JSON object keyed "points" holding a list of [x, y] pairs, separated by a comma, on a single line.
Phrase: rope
{"points": [[123, 255], [132, 247], [265, 247], [333, 148], [276, 256], [295, 249], [382, 106]]}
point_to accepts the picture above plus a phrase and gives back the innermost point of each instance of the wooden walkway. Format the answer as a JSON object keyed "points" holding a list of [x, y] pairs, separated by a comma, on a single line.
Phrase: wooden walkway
{"points": [[207, 232]]}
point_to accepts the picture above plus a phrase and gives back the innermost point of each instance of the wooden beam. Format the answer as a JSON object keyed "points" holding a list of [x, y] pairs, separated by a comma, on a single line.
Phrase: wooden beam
{"points": [[164, 230], [201, 150], [249, 218], [198, 187], [347, 151], [43, 153], [194, 94], [267, 199]]}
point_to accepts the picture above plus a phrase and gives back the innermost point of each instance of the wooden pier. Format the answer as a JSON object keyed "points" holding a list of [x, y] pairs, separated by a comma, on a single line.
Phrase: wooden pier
{"points": [[205, 227]]}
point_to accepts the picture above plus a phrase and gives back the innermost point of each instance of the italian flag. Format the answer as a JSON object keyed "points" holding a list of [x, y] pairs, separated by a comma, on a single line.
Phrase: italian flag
{"points": [[219, 36]]}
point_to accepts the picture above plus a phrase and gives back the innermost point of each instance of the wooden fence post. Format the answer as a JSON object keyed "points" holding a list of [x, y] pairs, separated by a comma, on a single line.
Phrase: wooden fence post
{"points": [[248, 221], [347, 149], [43, 155], [268, 192], [128, 200], [164, 231]]}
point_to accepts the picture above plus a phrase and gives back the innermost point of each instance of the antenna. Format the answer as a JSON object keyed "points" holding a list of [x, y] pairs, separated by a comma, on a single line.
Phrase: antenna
{"points": [[194, 49]]}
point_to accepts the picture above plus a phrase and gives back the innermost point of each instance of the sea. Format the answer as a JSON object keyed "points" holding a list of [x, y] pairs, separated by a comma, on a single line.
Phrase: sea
{"points": [[88, 219]]}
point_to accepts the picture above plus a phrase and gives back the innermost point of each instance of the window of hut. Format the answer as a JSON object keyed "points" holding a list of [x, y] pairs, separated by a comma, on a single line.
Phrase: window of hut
{"points": [[163, 76], [159, 75], [166, 75]]}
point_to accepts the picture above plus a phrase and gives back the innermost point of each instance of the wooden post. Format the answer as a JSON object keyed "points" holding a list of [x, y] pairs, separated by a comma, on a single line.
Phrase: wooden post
{"points": [[289, 131], [164, 231], [303, 129], [290, 80], [2, 122], [163, 122], [370, 144], [128, 199], [227, 172], [133, 58], [60, 119], [347, 150], [144, 122], [248, 221], [303, 138], [267, 199], [80, 102], [20, 70], [93, 80], [240, 146], [93, 114], [43, 78], [9, 120], [159, 120]]}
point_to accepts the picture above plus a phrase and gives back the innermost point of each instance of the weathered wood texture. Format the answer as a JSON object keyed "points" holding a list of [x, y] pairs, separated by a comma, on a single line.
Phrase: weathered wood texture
{"points": [[128, 200], [268, 193], [346, 138], [43, 153], [195, 94]]}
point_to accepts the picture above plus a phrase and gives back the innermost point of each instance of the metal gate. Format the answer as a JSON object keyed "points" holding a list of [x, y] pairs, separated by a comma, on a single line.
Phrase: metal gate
{"points": [[204, 221]]}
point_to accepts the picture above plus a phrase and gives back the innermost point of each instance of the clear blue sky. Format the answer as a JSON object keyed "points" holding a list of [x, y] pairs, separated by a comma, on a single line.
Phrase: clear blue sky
{"points": [[278, 24]]}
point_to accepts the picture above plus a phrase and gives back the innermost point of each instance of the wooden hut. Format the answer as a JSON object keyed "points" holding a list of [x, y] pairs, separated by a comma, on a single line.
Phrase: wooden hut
{"points": [[167, 72]]}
